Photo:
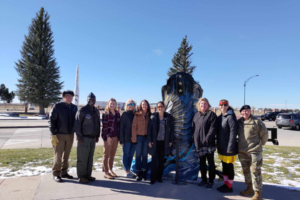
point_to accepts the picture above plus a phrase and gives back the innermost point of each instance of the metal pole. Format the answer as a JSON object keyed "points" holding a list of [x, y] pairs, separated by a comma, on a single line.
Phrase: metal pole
{"points": [[245, 94], [245, 83]]}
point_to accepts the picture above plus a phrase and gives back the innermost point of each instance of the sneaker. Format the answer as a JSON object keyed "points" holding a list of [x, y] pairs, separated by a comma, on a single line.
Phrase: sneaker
{"points": [[128, 175], [57, 179], [68, 176], [209, 186], [202, 183]]}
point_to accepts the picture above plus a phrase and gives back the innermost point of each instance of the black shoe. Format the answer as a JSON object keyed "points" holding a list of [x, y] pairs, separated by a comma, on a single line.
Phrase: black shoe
{"points": [[139, 176], [145, 175], [209, 186], [91, 178], [202, 183], [57, 179], [152, 182], [226, 190], [67, 176], [223, 186], [160, 181]]}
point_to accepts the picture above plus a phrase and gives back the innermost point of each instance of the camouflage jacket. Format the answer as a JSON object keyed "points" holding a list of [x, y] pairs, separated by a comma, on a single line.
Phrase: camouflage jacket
{"points": [[252, 134]]}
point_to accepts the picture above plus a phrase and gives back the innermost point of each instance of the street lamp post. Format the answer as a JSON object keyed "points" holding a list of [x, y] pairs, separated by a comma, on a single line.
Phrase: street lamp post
{"points": [[246, 81]]}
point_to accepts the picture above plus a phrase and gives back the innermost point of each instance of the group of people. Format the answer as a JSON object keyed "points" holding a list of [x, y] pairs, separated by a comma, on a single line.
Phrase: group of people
{"points": [[141, 132], [243, 137]]}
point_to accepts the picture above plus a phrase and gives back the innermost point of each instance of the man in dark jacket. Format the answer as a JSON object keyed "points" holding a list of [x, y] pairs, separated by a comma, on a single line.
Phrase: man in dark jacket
{"points": [[87, 127], [61, 124]]}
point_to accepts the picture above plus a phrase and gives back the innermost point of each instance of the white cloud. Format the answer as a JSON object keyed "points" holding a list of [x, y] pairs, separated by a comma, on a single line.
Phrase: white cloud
{"points": [[158, 52]]}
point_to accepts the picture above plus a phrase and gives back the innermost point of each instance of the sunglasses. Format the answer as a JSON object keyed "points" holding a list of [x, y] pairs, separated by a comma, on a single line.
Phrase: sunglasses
{"points": [[130, 104], [224, 105], [160, 106]]}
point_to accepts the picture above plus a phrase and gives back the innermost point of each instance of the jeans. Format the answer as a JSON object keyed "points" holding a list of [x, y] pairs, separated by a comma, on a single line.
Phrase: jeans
{"points": [[128, 152], [141, 155]]}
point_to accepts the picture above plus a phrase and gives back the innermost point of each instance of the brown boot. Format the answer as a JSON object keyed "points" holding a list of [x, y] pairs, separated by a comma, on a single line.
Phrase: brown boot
{"points": [[249, 191], [83, 180], [257, 196]]}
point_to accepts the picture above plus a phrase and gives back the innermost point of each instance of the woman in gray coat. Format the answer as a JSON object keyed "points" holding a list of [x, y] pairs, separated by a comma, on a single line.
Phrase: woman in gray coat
{"points": [[226, 144]]}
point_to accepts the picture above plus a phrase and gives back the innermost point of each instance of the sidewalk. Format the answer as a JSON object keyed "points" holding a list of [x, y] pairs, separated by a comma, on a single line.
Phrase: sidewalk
{"points": [[43, 187]]}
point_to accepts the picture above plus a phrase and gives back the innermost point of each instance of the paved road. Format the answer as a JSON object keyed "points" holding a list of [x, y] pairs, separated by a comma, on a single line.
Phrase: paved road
{"points": [[23, 123], [27, 138], [12, 138]]}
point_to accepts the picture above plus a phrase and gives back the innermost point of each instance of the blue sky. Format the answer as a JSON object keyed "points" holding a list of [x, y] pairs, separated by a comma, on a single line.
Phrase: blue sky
{"points": [[124, 48]]}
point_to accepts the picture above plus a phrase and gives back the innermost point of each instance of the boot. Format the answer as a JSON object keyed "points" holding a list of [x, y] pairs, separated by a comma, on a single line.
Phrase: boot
{"points": [[139, 176], [257, 196], [249, 191], [145, 175], [84, 180]]}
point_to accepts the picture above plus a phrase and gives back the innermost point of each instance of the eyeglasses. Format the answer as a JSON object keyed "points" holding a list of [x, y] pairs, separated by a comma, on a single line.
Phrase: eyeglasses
{"points": [[224, 105], [130, 104], [160, 107]]}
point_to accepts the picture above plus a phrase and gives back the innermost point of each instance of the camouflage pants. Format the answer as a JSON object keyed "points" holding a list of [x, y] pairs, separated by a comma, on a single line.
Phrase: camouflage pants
{"points": [[251, 164]]}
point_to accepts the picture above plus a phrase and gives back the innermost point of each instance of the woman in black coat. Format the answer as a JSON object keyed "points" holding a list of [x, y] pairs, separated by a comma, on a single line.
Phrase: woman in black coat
{"points": [[125, 136], [160, 138], [226, 144], [204, 134]]}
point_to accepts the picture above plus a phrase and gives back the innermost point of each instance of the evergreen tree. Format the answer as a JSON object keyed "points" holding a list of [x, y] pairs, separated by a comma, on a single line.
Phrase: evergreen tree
{"points": [[5, 95], [181, 60], [39, 82]]}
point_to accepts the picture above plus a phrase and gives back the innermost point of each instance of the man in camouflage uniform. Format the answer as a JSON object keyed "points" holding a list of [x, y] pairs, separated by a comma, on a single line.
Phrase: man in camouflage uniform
{"points": [[252, 134]]}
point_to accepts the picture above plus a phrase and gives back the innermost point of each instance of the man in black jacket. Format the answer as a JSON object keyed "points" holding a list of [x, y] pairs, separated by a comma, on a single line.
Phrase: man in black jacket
{"points": [[61, 124], [87, 128]]}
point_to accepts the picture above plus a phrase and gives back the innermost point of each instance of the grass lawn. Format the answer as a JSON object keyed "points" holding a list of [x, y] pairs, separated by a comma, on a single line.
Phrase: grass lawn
{"points": [[281, 165], [17, 159]]}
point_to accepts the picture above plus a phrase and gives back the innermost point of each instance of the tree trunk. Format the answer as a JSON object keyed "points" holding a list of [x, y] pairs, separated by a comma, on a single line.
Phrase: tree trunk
{"points": [[42, 110], [26, 108]]}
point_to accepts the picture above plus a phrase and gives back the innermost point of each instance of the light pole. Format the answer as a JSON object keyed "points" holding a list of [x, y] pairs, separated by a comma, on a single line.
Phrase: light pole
{"points": [[246, 81]]}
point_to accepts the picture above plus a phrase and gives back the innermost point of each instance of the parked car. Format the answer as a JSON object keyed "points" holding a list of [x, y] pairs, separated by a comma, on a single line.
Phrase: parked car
{"points": [[291, 120], [271, 116]]}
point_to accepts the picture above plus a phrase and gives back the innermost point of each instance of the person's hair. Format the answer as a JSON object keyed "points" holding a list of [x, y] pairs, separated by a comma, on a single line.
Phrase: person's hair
{"points": [[107, 106], [203, 99], [67, 92], [148, 109], [161, 103], [229, 107], [127, 102]]}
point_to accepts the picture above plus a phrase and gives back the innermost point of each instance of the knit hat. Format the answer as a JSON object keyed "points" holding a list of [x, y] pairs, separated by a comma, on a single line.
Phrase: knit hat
{"points": [[245, 107]]}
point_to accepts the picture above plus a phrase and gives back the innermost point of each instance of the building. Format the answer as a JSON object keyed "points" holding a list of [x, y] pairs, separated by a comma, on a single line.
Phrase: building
{"points": [[102, 104]]}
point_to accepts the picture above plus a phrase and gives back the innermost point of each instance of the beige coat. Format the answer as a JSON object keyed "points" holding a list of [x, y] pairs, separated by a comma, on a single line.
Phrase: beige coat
{"points": [[252, 134], [139, 125]]}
